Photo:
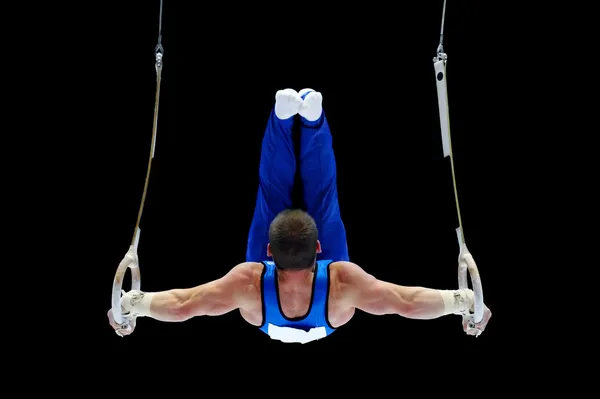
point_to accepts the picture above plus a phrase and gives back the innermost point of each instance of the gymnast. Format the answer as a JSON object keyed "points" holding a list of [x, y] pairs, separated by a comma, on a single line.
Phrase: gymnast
{"points": [[308, 288]]}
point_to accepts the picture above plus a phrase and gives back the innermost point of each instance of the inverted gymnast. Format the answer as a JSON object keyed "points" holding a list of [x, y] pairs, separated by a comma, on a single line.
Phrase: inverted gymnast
{"points": [[307, 290]]}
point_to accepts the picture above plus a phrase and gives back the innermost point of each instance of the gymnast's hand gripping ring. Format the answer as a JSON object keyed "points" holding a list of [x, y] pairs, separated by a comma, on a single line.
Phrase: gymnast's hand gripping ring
{"points": [[130, 261], [466, 264]]}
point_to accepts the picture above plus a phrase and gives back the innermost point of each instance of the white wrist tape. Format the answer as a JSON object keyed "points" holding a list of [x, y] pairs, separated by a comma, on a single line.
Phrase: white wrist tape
{"points": [[136, 304], [458, 301]]}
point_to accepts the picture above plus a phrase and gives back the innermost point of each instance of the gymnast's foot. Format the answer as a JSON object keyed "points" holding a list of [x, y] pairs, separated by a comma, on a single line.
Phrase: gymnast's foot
{"points": [[312, 104], [287, 103]]}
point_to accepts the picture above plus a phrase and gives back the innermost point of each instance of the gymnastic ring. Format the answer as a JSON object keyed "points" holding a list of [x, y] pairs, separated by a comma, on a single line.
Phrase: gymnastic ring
{"points": [[471, 268], [136, 280]]}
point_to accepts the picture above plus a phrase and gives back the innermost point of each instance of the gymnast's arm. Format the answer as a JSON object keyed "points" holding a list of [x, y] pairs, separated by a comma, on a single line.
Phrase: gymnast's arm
{"points": [[211, 299], [367, 293]]}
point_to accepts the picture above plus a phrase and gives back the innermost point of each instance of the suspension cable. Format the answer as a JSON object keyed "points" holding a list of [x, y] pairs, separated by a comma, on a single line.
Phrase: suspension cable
{"points": [[158, 53], [440, 48]]}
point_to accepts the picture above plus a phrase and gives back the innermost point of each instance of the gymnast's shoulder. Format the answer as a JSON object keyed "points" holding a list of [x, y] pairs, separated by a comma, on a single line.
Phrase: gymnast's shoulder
{"points": [[345, 271], [246, 274], [246, 270], [339, 271], [345, 275]]}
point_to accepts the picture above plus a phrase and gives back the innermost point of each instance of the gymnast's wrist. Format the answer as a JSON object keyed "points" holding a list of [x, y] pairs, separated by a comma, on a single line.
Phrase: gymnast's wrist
{"points": [[136, 304], [459, 302]]}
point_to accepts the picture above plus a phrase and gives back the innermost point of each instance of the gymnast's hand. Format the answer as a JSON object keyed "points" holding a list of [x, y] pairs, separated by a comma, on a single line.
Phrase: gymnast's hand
{"points": [[468, 326], [121, 329], [126, 313], [479, 327], [128, 319], [129, 260]]}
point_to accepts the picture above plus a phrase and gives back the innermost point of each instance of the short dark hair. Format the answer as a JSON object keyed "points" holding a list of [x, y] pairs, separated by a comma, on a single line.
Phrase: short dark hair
{"points": [[293, 237]]}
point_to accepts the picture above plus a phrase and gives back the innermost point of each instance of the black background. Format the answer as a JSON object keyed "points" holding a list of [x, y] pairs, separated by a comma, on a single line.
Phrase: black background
{"points": [[222, 68]]}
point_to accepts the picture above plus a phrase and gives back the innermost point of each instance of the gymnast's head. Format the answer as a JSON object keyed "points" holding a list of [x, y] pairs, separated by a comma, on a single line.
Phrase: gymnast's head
{"points": [[293, 240]]}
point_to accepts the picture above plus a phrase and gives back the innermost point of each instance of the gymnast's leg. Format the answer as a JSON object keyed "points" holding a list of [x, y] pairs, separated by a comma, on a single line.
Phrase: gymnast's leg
{"points": [[276, 172], [318, 172]]}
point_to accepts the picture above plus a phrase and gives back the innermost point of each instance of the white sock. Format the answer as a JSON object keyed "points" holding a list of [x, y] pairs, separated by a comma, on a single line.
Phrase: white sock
{"points": [[312, 105], [287, 103]]}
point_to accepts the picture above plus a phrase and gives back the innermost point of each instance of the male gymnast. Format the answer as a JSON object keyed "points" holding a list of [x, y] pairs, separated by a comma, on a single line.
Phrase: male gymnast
{"points": [[308, 289]]}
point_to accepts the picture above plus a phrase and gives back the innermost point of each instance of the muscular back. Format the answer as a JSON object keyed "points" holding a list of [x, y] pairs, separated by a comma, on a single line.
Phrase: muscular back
{"points": [[296, 293]]}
